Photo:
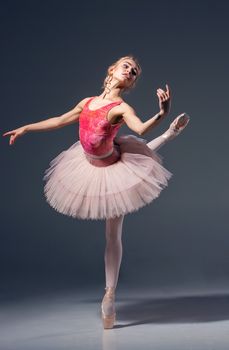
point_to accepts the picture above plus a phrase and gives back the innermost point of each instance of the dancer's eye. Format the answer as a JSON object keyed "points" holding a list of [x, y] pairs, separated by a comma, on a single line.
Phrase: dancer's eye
{"points": [[133, 71]]}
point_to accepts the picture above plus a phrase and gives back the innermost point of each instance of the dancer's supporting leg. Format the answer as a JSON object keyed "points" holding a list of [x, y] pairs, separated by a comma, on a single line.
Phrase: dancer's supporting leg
{"points": [[175, 129], [112, 258], [113, 250]]}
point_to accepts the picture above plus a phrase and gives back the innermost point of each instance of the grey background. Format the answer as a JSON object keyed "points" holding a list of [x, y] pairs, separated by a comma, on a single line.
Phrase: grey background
{"points": [[55, 53]]}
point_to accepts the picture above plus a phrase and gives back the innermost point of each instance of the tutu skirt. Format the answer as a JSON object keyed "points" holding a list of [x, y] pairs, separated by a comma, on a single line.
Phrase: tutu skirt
{"points": [[83, 187]]}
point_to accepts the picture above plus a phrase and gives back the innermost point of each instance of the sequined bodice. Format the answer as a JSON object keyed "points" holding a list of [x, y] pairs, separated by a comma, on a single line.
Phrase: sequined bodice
{"points": [[96, 133]]}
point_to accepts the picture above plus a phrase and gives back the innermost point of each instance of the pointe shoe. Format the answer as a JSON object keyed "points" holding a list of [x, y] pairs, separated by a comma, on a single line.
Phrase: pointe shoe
{"points": [[177, 126], [108, 318]]}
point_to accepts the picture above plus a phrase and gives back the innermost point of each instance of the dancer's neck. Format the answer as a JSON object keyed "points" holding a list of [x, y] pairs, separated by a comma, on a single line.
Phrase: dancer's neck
{"points": [[112, 91]]}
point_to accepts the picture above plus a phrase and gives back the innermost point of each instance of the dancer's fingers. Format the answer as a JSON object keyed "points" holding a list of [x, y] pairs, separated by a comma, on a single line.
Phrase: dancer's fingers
{"points": [[163, 94], [167, 96], [160, 96], [168, 90], [160, 91], [8, 133]]}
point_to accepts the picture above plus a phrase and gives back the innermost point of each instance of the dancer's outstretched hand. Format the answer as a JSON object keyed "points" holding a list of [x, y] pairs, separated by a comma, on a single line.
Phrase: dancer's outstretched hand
{"points": [[15, 134], [164, 100]]}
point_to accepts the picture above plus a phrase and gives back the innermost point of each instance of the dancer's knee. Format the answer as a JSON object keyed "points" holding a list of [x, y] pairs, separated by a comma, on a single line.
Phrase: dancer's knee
{"points": [[114, 229]]}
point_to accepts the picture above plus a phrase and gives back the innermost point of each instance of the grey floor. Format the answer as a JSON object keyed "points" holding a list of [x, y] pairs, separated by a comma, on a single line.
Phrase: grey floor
{"points": [[145, 320]]}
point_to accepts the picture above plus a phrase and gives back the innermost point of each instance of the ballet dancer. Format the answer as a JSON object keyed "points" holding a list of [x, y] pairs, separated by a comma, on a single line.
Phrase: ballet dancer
{"points": [[105, 176]]}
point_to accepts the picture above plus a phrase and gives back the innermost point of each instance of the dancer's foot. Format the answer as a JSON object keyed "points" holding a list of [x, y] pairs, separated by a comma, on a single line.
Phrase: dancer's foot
{"points": [[177, 126], [108, 308]]}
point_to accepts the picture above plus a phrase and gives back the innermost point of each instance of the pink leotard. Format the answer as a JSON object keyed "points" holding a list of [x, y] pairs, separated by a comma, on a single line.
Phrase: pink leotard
{"points": [[96, 133]]}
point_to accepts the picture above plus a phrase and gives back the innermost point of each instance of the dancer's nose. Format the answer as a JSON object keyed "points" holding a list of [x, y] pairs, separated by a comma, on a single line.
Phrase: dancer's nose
{"points": [[128, 70]]}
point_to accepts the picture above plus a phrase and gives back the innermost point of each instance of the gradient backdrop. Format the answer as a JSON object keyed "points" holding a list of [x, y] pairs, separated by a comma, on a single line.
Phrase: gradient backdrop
{"points": [[55, 53]]}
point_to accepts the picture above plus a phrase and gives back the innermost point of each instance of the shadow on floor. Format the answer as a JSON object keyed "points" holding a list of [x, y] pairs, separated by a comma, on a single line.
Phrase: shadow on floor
{"points": [[188, 309], [175, 310]]}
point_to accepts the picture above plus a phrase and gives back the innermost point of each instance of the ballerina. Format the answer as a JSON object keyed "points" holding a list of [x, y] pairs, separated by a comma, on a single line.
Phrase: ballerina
{"points": [[105, 176]]}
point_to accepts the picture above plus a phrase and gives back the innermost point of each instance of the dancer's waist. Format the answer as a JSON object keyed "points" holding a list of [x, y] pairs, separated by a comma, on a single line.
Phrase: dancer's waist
{"points": [[105, 159], [102, 156]]}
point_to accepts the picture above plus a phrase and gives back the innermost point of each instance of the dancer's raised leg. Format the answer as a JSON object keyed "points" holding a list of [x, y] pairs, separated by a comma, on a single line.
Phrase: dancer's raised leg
{"points": [[112, 258], [175, 128]]}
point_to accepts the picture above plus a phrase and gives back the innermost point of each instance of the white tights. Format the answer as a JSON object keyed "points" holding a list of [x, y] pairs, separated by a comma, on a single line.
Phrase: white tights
{"points": [[113, 250]]}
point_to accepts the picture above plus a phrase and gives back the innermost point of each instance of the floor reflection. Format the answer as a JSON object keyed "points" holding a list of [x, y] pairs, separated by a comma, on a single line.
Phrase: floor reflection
{"points": [[109, 339]]}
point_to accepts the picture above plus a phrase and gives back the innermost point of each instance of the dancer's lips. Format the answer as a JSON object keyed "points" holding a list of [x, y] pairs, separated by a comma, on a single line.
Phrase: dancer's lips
{"points": [[126, 75]]}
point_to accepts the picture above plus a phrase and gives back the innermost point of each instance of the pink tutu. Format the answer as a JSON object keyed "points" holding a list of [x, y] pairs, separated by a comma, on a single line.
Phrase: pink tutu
{"points": [[88, 188]]}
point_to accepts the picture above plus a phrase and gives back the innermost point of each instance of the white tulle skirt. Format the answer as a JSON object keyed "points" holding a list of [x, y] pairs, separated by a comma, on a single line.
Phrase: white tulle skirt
{"points": [[88, 188]]}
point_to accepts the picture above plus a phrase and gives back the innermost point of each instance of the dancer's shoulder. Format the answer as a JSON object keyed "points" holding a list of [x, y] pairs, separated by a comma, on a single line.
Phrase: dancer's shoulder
{"points": [[84, 101], [126, 108]]}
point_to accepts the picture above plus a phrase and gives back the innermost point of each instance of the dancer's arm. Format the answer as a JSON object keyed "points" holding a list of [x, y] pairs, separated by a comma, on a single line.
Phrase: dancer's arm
{"points": [[135, 123], [49, 124]]}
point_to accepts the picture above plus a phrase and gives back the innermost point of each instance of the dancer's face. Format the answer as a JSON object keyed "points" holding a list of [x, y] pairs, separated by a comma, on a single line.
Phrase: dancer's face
{"points": [[126, 72]]}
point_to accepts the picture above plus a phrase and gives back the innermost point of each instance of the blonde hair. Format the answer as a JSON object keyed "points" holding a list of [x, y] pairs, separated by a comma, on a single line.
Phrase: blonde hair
{"points": [[113, 65]]}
